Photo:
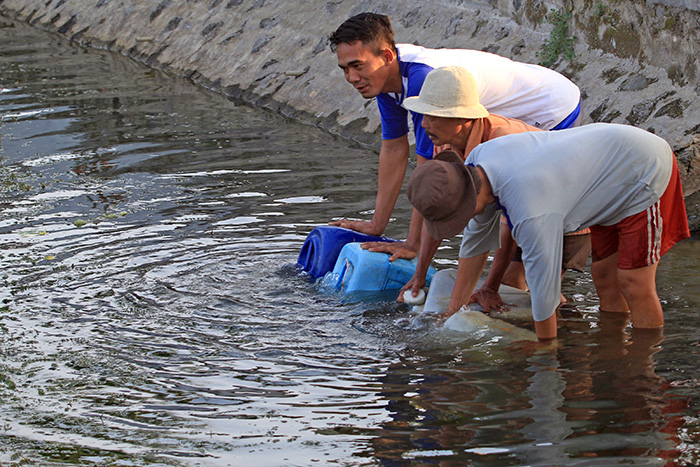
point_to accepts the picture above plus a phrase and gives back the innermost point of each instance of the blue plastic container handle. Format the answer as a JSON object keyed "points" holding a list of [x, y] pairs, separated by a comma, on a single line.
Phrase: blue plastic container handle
{"points": [[322, 247], [358, 270]]}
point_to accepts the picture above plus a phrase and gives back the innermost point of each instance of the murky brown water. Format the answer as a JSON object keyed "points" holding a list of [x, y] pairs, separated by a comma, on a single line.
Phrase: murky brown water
{"points": [[150, 314]]}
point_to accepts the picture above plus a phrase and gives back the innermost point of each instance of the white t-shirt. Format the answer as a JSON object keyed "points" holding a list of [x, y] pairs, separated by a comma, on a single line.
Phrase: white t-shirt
{"points": [[534, 94], [548, 183]]}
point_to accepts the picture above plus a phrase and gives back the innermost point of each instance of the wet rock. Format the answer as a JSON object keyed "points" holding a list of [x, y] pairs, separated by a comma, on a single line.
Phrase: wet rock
{"points": [[233, 36], [692, 206], [691, 67], [452, 26], [153, 58], [411, 18], [673, 109], [267, 23], [68, 25], [688, 4], [688, 155], [210, 28], [492, 48], [598, 112], [78, 35], [641, 112], [622, 41], [260, 43], [635, 82], [159, 9], [611, 75], [479, 24], [603, 114], [173, 24], [321, 46], [611, 116], [518, 48], [675, 74], [330, 7]]}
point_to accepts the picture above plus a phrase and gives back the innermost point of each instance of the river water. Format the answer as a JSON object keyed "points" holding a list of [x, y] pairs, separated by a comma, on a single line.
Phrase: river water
{"points": [[151, 314]]}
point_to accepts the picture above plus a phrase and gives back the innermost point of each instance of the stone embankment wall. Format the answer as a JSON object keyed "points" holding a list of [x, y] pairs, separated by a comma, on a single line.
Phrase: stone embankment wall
{"points": [[636, 61]]}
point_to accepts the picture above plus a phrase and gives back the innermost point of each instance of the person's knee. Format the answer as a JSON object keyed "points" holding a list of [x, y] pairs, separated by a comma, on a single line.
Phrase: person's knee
{"points": [[637, 283], [636, 277], [605, 279]]}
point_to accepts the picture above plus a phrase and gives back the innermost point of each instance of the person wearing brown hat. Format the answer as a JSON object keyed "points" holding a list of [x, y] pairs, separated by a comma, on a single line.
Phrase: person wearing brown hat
{"points": [[379, 68], [621, 181], [453, 117]]}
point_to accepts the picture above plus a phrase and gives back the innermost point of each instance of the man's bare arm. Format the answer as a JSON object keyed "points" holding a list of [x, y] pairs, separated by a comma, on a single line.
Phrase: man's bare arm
{"points": [[428, 248], [468, 273], [487, 296], [409, 248]]}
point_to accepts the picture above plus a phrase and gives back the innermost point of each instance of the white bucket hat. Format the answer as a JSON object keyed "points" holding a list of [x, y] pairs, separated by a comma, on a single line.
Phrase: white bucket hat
{"points": [[448, 92]]}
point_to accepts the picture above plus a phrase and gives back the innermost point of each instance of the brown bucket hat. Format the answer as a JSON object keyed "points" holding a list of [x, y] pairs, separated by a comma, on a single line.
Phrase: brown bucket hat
{"points": [[443, 191]]}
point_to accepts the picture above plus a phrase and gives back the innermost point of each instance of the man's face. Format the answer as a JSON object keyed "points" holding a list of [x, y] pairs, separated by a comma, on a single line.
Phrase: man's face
{"points": [[444, 130], [367, 72]]}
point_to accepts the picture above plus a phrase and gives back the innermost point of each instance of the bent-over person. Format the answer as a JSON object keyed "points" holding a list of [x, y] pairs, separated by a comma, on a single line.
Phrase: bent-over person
{"points": [[621, 181]]}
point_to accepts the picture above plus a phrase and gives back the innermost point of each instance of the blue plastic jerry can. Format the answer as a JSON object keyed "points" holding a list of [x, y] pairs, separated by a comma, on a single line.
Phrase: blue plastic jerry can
{"points": [[322, 246], [358, 270]]}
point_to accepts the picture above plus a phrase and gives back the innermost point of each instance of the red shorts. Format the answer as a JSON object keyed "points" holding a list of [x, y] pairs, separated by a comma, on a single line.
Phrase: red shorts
{"points": [[641, 239]]}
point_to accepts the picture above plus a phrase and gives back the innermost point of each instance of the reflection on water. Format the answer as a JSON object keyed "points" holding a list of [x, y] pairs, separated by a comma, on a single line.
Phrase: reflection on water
{"points": [[150, 314]]}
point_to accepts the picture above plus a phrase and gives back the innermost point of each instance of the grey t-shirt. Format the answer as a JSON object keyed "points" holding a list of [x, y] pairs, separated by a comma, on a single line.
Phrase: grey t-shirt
{"points": [[553, 182]]}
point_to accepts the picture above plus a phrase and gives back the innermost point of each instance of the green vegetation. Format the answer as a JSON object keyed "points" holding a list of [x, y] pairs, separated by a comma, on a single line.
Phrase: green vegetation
{"points": [[13, 181], [559, 43], [669, 23], [7, 382], [110, 215], [600, 9]]}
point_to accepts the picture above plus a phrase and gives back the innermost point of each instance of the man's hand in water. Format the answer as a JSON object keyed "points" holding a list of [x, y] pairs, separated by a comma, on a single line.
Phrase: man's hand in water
{"points": [[395, 249], [489, 299], [442, 317], [358, 226], [414, 284]]}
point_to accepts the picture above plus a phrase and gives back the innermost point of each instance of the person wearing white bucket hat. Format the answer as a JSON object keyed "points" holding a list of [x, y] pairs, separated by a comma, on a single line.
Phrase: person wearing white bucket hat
{"points": [[453, 115], [379, 68], [454, 118], [448, 92]]}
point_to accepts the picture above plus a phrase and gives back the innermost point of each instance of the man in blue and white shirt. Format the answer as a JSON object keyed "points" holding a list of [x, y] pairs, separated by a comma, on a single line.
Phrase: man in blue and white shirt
{"points": [[377, 67]]}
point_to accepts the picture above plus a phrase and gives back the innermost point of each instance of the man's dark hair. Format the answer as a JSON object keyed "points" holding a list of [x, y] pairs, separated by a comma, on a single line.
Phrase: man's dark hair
{"points": [[372, 29]]}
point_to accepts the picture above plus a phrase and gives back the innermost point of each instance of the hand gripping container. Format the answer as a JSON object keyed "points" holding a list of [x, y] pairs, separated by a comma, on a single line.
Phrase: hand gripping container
{"points": [[358, 270], [322, 246]]}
